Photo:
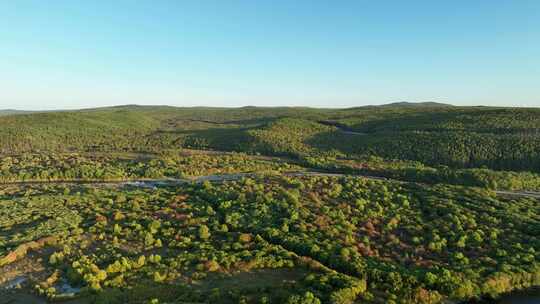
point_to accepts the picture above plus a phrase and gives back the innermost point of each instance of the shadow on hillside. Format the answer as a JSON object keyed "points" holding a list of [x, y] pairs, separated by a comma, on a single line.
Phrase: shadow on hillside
{"points": [[338, 141], [224, 139], [479, 120], [241, 122]]}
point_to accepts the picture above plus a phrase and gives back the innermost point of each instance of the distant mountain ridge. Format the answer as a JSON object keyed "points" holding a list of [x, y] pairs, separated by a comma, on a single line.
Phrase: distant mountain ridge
{"points": [[405, 104], [417, 104], [399, 104], [13, 112], [142, 107]]}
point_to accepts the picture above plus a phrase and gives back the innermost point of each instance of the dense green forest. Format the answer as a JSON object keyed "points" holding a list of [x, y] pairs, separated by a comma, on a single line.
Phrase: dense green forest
{"points": [[459, 137], [390, 204], [331, 240]]}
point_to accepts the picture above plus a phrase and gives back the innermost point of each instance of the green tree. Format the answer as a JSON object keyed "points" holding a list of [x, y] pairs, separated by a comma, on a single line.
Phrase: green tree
{"points": [[204, 232]]}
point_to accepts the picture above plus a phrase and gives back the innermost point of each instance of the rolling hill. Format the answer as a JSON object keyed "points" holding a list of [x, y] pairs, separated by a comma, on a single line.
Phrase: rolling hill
{"points": [[461, 137]]}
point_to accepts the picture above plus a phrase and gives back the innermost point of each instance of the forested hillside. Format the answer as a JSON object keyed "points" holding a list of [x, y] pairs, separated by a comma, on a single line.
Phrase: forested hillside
{"points": [[460, 137]]}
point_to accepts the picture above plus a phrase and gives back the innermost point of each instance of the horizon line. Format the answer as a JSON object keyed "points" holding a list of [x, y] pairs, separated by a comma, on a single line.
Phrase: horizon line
{"points": [[399, 103]]}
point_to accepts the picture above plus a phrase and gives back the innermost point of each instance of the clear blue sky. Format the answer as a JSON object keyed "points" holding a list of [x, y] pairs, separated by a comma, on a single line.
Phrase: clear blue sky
{"points": [[73, 54]]}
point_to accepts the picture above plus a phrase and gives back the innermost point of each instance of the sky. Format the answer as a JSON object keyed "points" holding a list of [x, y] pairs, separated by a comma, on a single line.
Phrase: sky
{"points": [[337, 53]]}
